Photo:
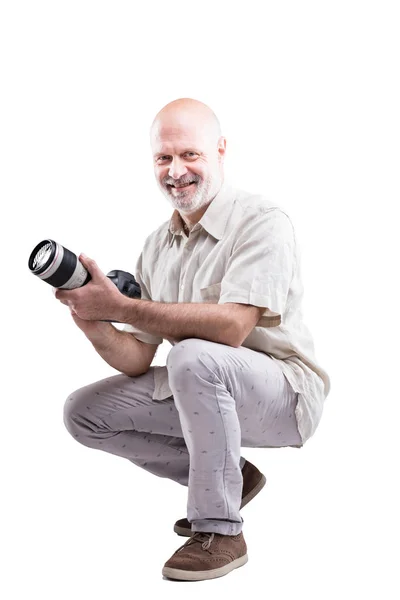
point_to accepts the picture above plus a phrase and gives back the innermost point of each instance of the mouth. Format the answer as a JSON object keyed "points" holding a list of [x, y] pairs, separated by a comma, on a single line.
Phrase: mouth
{"points": [[180, 186]]}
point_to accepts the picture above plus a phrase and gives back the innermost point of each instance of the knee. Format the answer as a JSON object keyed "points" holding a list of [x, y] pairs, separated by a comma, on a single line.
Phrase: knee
{"points": [[192, 356], [185, 353], [72, 410]]}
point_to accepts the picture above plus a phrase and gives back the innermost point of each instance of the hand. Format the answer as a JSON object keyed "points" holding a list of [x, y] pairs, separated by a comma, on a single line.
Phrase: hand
{"points": [[94, 330], [98, 300]]}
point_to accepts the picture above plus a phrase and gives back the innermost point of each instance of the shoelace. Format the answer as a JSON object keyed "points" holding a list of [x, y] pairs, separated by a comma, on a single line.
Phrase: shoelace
{"points": [[199, 537]]}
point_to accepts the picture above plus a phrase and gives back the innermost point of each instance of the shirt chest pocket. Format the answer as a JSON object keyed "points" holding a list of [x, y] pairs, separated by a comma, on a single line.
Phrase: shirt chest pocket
{"points": [[211, 294]]}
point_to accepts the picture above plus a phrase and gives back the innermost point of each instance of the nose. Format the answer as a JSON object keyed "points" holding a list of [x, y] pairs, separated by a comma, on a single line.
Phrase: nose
{"points": [[177, 168]]}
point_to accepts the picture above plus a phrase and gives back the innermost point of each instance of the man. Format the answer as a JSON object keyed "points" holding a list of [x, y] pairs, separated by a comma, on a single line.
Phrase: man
{"points": [[221, 281]]}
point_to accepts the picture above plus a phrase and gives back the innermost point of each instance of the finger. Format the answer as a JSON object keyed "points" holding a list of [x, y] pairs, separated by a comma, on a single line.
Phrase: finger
{"points": [[64, 294], [65, 302], [59, 294], [91, 266]]}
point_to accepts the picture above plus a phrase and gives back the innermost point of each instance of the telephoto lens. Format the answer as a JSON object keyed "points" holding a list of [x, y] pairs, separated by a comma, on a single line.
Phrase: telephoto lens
{"points": [[59, 267]]}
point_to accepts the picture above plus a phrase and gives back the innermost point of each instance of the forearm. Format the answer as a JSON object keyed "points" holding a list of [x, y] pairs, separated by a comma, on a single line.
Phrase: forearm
{"points": [[122, 351], [178, 321]]}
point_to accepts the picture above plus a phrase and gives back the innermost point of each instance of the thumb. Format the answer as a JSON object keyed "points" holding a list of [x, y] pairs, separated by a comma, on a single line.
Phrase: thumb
{"points": [[91, 266]]}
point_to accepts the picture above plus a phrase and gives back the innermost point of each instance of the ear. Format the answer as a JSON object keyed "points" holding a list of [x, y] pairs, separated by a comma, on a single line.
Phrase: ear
{"points": [[221, 148]]}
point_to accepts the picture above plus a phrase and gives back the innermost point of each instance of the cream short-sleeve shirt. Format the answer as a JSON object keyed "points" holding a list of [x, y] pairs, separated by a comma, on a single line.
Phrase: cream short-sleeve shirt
{"points": [[242, 250]]}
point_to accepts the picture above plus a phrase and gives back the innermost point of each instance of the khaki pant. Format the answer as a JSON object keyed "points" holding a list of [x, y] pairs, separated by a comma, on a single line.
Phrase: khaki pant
{"points": [[223, 398]]}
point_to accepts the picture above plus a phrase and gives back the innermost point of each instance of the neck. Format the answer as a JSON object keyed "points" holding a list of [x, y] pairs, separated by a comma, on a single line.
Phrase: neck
{"points": [[187, 225]]}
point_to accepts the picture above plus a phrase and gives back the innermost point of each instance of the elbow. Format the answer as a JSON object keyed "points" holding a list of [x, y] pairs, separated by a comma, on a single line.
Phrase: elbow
{"points": [[235, 345], [235, 335], [135, 373]]}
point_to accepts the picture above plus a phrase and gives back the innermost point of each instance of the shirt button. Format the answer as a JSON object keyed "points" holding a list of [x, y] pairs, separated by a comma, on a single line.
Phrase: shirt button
{"points": [[182, 287]]}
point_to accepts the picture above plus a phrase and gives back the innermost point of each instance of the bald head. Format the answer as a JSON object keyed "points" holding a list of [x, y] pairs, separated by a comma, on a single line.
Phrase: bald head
{"points": [[188, 154], [187, 113]]}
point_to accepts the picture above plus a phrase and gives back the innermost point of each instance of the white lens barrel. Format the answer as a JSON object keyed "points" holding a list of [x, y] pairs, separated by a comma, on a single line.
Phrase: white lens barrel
{"points": [[57, 266]]}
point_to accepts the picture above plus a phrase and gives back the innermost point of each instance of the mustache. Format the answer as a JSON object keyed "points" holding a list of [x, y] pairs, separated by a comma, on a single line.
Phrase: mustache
{"points": [[184, 180]]}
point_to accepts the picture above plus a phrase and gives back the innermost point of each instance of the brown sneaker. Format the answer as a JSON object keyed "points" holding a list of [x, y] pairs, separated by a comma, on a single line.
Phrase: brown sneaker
{"points": [[206, 556], [253, 482]]}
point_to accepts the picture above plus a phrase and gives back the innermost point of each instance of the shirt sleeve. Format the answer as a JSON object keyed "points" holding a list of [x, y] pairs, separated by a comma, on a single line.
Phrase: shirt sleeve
{"points": [[260, 269], [145, 295]]}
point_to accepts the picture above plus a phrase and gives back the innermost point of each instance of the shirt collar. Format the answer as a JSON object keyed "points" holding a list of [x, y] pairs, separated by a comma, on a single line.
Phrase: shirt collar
{"points": [[214, 219]]}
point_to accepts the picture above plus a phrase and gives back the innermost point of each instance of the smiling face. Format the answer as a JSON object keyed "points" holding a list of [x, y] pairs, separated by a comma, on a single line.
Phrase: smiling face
{"points": [[188, 153]]}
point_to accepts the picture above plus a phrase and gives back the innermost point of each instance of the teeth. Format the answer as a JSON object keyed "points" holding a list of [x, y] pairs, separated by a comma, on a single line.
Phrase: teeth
{"points": [[180, 186]]}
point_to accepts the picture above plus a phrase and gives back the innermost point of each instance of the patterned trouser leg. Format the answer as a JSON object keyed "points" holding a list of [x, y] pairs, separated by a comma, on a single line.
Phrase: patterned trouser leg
{"points": [[223, 398], [226, 398]]}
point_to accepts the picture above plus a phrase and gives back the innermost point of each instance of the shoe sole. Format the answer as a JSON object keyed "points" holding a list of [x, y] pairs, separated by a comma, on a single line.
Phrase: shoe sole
{"points": [[182, 575], [257, 488], [185, 532]]}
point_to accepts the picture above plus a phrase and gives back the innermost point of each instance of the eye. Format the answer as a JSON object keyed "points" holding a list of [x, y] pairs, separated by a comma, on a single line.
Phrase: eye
{"points": [[162, 159], [191, 154]]}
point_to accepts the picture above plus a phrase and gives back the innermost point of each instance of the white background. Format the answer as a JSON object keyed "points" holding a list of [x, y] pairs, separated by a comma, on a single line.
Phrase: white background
{"points": [[308, 98]]}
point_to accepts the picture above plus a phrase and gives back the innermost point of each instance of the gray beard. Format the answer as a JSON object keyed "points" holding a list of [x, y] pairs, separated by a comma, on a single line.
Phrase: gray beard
{"points": [[199, 199]]}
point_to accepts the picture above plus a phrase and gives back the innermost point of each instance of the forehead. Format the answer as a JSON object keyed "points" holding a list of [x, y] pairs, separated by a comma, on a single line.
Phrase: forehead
{"points": [[178, 135]]}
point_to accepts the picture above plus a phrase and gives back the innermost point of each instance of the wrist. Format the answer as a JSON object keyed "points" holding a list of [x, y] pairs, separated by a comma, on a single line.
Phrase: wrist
{"points": [[97, 330], [102, 336], [125, 312]]}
